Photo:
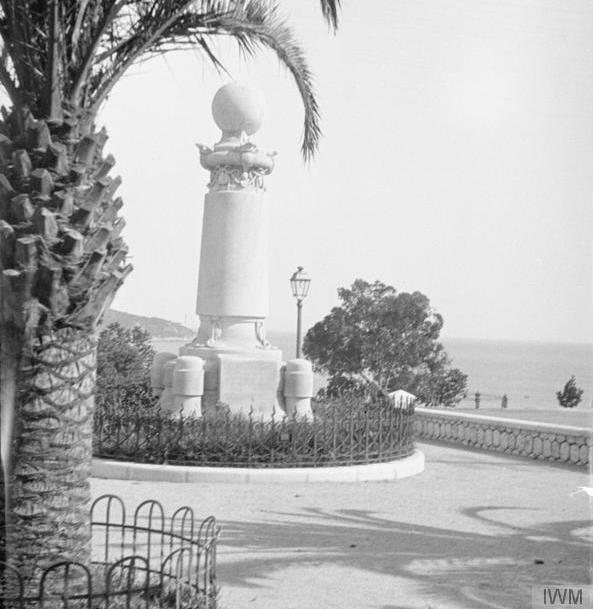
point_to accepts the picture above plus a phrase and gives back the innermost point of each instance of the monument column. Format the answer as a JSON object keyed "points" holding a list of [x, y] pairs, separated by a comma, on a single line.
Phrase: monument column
{"points": [[241, 368]]}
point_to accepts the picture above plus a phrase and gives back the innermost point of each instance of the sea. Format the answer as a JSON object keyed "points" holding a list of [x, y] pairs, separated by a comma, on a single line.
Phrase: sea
{"points": [[528, 373]]}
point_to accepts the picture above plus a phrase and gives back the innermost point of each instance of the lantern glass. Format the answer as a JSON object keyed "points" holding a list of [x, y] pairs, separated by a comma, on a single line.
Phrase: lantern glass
{"points": [[299, 283]]}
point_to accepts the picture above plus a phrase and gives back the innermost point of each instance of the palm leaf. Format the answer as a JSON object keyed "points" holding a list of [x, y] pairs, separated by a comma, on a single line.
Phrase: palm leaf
{"points": [[330, 10], [73, 52]]}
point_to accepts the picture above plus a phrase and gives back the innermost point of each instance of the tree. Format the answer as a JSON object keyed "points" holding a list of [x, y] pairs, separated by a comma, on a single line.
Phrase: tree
{"points": [[61, 254], [124, 358], [387, 340], [571, 395]]}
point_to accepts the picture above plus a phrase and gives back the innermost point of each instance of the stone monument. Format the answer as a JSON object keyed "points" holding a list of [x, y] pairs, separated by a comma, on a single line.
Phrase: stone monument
{"points": [[240, 367]]}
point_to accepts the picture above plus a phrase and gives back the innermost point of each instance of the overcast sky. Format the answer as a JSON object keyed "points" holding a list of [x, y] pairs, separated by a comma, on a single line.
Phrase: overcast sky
{"points": [[457, 159]]}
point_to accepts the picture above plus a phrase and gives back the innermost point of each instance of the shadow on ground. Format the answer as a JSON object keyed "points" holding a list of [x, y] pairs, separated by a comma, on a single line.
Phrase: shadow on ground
{"points": [[466, 569]]}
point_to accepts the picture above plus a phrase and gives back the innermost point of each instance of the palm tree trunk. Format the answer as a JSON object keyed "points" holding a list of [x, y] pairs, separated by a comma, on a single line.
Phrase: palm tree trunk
{"points": [[48, 485], [61, 261]]}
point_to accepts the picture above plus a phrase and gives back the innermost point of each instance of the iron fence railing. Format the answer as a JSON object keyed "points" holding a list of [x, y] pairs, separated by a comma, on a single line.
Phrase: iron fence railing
{"points": [[152, 562], [335, 435]]}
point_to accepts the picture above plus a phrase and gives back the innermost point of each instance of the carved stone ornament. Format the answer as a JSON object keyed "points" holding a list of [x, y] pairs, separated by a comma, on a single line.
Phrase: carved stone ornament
{"points": [[236, 167], [215, 332], [260, 335]]}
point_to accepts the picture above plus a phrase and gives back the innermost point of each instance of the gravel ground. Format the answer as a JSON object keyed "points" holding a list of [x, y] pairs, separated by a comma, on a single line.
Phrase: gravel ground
{"points": [[475, 530]]}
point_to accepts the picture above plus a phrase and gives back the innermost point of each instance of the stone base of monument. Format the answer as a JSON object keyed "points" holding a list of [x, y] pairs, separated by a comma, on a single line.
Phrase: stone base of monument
{"points": [[252, 382], [246, 381]]}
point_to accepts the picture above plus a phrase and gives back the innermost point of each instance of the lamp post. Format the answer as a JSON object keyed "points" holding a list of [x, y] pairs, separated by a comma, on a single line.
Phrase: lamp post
{"points": [[299, 283]]}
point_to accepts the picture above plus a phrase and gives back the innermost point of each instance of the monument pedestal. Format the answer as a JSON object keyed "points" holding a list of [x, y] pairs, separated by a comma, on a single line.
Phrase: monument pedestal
{"points": [[244, 380]]}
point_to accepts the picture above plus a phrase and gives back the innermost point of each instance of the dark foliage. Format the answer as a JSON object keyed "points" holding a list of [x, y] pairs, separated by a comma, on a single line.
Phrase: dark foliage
{"points": [[124, 357], [387, 340], [571, 395]]}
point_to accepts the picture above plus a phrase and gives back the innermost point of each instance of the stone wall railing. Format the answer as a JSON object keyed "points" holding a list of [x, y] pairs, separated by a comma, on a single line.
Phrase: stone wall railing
{"points": [[544, 441]]}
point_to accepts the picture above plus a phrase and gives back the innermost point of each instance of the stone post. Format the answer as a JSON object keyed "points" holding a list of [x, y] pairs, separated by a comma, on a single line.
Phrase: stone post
{"points": [[188, 385], [298, 388], [156, 371]]}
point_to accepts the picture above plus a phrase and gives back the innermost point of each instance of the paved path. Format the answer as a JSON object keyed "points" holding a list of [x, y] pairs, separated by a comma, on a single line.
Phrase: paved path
{"points": [[475, 530]]}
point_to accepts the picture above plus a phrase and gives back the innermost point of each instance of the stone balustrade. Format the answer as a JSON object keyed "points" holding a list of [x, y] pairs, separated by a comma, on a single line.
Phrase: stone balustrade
{"points": [[544, 441]]}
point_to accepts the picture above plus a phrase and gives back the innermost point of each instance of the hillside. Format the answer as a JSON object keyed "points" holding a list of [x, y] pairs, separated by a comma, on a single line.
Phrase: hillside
{"points": [[158, 328]]}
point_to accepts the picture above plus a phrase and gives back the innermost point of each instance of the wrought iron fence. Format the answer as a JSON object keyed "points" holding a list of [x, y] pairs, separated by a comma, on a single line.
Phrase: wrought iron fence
{"points": [[152, 562], [337, 434]]}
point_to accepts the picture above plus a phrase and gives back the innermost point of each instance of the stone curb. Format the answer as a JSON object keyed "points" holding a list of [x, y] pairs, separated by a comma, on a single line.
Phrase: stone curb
{"points": [[391, 470]]}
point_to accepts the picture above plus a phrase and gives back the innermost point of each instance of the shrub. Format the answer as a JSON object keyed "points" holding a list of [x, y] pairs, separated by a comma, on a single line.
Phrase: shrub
{"points": [[571, 395], [124, 357]]}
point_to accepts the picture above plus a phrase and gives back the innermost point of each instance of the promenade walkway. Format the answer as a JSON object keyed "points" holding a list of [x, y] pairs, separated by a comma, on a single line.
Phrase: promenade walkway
{"points": [[475, 530]]}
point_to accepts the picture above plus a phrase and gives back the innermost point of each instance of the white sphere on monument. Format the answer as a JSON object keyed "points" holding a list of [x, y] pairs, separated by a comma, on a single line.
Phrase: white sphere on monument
{"points": [[238, 108]]}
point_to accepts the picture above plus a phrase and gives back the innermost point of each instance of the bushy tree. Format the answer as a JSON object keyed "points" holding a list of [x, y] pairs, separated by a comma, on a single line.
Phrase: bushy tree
{"points": [[124, 357], [571, 395], [386, 340]]}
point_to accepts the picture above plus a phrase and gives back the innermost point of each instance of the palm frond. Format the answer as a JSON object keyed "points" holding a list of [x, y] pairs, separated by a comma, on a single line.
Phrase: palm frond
{"points": [[170, 25], [330, 10], [73, 52], [259, 24]]}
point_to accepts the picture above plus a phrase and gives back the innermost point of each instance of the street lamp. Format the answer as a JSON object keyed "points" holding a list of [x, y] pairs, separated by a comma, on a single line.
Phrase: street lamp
{"points": [[299, 283]]}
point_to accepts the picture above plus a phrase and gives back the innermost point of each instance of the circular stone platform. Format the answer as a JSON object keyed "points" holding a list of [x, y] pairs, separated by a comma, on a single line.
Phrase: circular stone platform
{"points": [[390, 470]]}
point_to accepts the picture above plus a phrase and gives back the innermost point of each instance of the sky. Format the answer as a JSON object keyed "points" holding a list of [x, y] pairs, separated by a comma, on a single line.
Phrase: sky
{"points": [[457, 160]]}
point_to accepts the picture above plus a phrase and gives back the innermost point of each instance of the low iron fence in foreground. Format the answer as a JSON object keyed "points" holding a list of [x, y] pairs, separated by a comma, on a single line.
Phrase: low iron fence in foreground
{"points": [[337, 434], [152, 562]]}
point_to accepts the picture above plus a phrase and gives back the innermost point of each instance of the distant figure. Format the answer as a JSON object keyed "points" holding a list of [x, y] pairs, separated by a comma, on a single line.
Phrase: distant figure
{"points": [[477, 399], [505, 401]]}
